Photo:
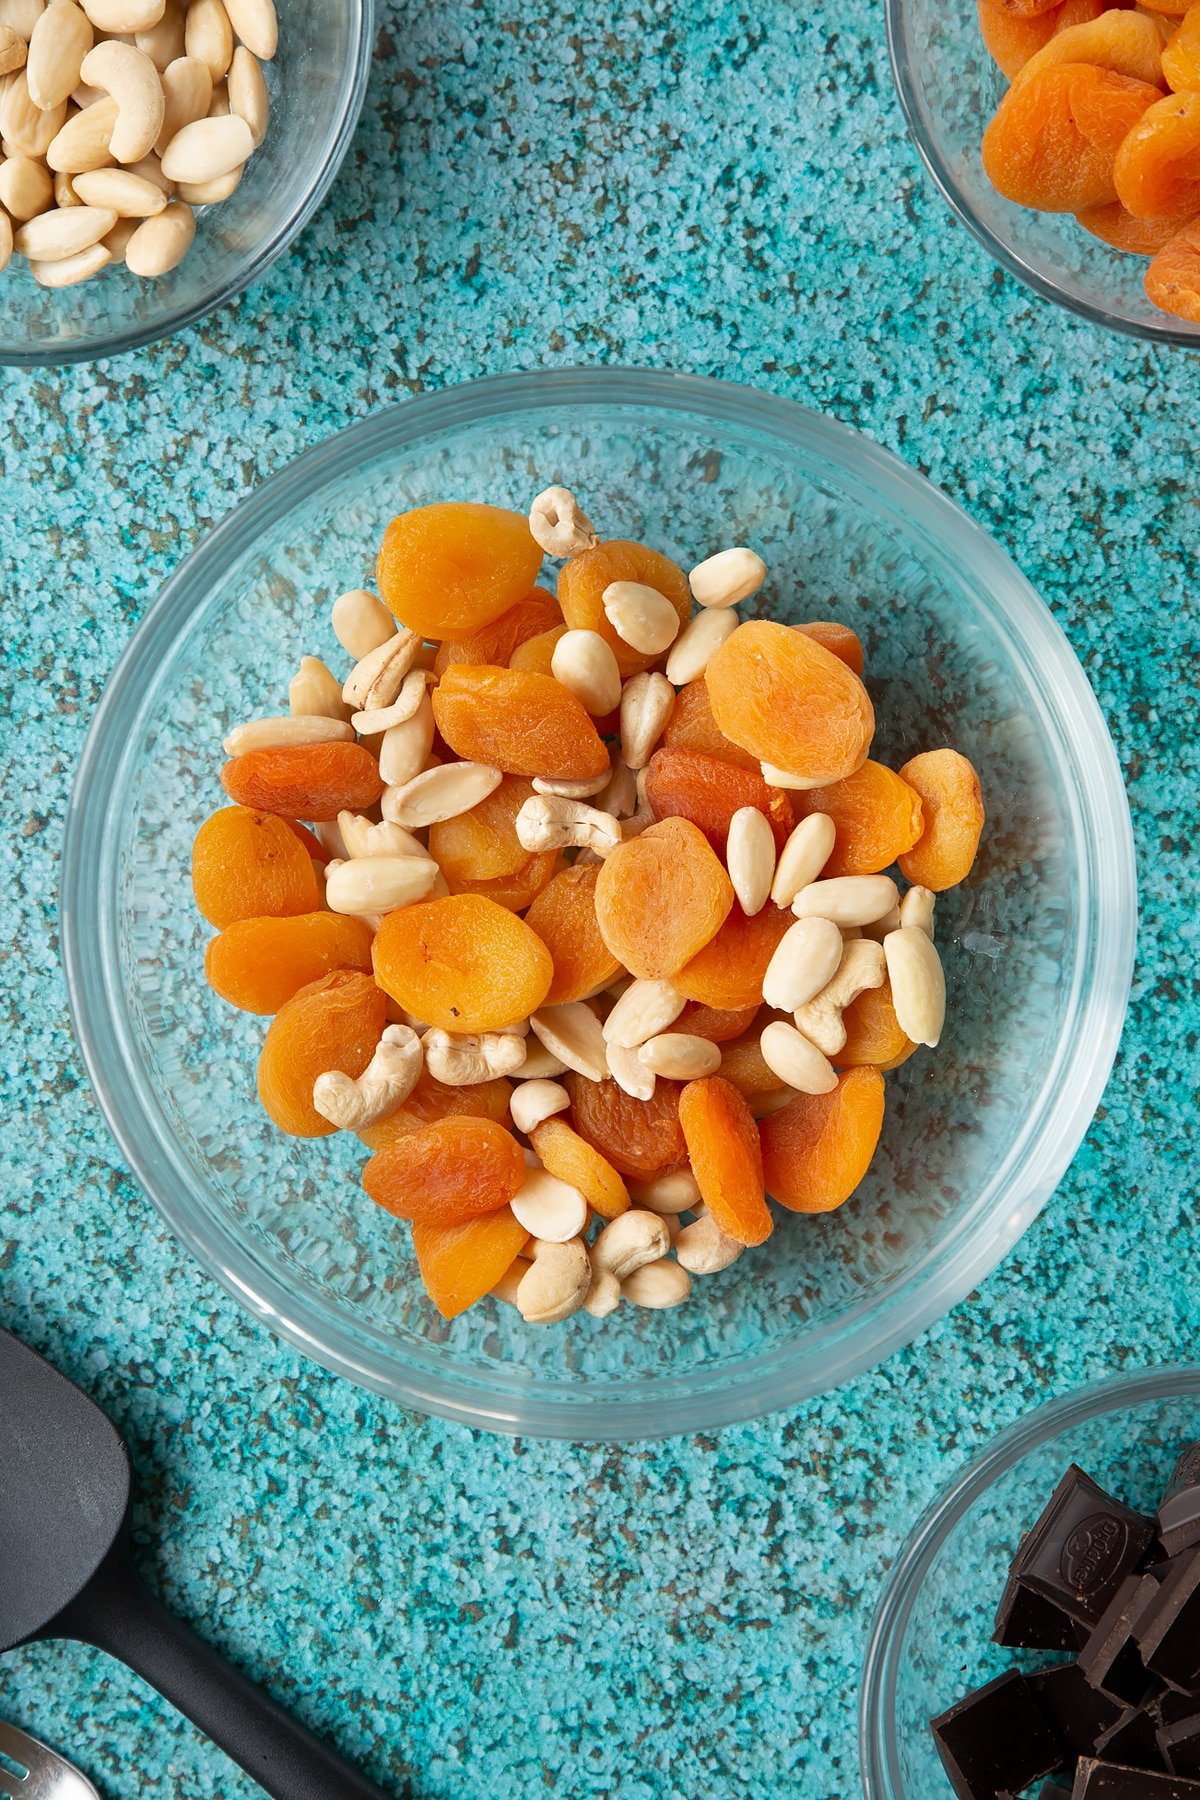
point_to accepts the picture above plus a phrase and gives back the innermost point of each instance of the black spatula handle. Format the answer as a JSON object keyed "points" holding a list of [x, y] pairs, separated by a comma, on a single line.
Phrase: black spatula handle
{"points": [[119, 1614]]}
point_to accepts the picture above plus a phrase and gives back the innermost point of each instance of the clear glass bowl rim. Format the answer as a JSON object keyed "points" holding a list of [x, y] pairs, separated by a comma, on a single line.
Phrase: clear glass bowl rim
{"points": [[101, 345], [878, 1745], [1008, 258], [866, 1334]]}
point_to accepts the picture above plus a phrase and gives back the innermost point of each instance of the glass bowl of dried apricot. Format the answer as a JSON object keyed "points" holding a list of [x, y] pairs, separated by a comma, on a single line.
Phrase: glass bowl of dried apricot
{"points": [[1064, 134], [520, 871]]}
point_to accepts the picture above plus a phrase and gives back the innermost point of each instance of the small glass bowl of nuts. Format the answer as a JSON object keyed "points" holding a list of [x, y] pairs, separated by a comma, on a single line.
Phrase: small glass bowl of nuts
{"points": [[668, 1227], [158, 155]]}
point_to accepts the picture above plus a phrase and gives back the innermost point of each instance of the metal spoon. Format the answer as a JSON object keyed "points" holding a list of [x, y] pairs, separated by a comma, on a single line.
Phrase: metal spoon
{"points": [[47, 1775]]}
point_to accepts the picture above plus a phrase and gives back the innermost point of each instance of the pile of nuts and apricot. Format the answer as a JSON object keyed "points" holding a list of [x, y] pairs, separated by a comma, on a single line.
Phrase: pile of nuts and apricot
{"points": [[1102, 120], [575, 908]]}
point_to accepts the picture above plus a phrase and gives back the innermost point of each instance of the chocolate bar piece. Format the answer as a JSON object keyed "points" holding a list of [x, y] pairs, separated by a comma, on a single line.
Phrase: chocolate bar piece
{"points": [[1168, 1634], [1110, 1781], [1028, 1621], [1082, 1547], [1179, 1509], [1075, 1712], [1132, 1740], [1053, 1790], [1111, 1659], [996, 1740], [1180, 1746]]}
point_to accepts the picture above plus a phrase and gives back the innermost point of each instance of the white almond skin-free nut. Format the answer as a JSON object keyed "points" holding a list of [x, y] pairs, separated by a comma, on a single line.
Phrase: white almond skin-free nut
{"points": [[603, 1296], [248, 96], [28, 129], [572, 1033], [62, 232], [132, 80], [550, 822], [820, 1020], [84, 141], [315, 691], [124, 15], [587, 667], [404, 748], [466, 1059], [805, 960], [657, 1285], [571, 790], [354, 828], [441, 793], [187, 95], [847, 899], [633, 1076], [160, 244], [641, 616], [130, 196], [271, 734], [385, 1084], [727, 577], [916, 910], [361, 623], [667, 1194], [918, 984], [796, 1059], [644, 1010], [163, 42], [373, 721], [750, 858], [697, 644], [367, 886], [533, 1101], [207, 148], [69, 271], [393, 840], [559, 525], [784, 778], [678, 1056], [65, 195], [13, 50], [22, 15], [208, 34], [556, 1284], [210, 193], [6, 237], [540, 1064], [254, 23], [702, 1248], [647, 702], [377, 678], [802, 858], [879, 928], [61, 39], [550, 1210], [26, 187], [629, 1242]]}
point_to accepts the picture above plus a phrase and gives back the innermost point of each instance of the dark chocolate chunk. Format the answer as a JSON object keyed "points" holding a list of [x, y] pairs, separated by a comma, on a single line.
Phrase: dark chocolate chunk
{"points": [[1028, 1621], [1168, 1634], [1054, 1790], [1180, 1746], [1110, 1781], [1082, 1547], [1179, 1510], [1110, 1659], [1132, 1740], [996, 1740], [1075, 1712]]}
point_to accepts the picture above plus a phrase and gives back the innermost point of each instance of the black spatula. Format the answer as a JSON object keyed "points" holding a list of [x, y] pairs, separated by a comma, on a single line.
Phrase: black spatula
{"points": [[65, 1572]]}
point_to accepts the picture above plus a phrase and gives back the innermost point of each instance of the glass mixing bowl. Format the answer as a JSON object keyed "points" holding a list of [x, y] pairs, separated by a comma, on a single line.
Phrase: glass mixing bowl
{"points": [[317, 82], [931, 1640], [949, 88], [1038, 944]]}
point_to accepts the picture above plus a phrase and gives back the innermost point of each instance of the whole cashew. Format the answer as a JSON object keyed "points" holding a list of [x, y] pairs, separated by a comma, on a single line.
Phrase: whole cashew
{"points": [[132, 80], [633, 1239], [550, 822], [388, 1080], [466, 1060], [820, 1020]]}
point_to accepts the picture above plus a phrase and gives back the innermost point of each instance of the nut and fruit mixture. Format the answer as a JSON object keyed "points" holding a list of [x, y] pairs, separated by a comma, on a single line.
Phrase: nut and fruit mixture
{"points": [[117, 119], [1102, 119], [575, 908]]}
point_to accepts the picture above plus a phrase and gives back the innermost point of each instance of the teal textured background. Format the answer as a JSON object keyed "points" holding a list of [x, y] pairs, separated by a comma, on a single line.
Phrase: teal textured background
{"points": [[727, 190]]}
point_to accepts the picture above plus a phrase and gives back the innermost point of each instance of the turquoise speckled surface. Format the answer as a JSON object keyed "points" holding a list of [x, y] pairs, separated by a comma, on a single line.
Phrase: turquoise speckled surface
{"points": [[726, 190]]}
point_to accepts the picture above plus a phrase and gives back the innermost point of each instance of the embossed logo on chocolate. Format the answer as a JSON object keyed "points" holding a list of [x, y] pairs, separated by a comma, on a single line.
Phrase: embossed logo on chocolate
{"points": [[1187, 1469], [1092, 1552]]}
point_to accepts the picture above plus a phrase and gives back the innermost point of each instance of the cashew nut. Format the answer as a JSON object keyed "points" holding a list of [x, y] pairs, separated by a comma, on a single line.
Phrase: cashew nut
{"points": [[603, 1296], [667, 1194], [534, 1101], [630, 1241], [549, 822], [550, 1209], [385, 1084], [131, 79], [704, 1249], [559, 525], [820, 1020], [556, 1284], [466, 1060]]}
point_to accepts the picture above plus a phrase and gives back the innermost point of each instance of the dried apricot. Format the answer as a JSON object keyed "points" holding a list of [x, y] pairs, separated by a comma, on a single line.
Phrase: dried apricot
{"points": [[334, 1023], [683, 784], [790, 702], [447, 1172], [497, 642], [459, 1264], [582, 582], [1173, 279], [517, 891], [482, 844], [953, 814], [726, 1158], [462, 963], [729, 971], [720, 1025], [258, 964], [564, 917], [1127, 43], [431, 1100], [691, 726], [523, 723], [305, 781], [581, 1165], [1054, 139], [661, 897], [743, 1064], [874, 1035], [839, 640], [876, 816], [249, 865], [1012, 40], [449, 569], [818, 1147], [1024, 9], [536, 654], [640, 1138], [1137, 237], [1181, 58]]}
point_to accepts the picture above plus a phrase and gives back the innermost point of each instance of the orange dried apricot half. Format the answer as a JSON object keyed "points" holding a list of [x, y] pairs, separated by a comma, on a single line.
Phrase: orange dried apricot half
{"points": [[874, 1036], [790, 702], [334, 1023], [581, 1165], [1127, 43], [431, 1100], [952, 808], [839, 640], [1181, 57], [583, 580], [536, 654], [719, 1024], [449, 569], [691, 726], [661, 897], [523, 723], [447, 1172], [684, 784], [726, 1158], [462, 963], [876, 816], [258, 964], [1173, 279], [818, 1147], [305, 781], [728, 972], [640, 1138], [459, 1264], [249, 865], [564, 917], [1137, 237], [497, 643], [1157, 170], [1054, 139], [482, 844]]}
